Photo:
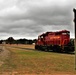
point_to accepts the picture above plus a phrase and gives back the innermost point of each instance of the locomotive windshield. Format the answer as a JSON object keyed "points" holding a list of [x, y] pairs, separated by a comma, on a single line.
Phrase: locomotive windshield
{"points": [[40, 37]]}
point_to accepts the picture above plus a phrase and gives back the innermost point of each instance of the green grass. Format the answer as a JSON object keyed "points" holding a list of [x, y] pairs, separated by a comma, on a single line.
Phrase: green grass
{"points": [[32, 61]]}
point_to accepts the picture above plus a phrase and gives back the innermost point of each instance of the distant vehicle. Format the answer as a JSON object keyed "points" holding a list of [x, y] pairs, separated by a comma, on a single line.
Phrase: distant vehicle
{"points": [[56, 41]]}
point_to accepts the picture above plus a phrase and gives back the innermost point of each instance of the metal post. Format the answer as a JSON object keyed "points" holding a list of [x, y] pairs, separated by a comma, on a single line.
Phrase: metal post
{"points": [[74, 10]]}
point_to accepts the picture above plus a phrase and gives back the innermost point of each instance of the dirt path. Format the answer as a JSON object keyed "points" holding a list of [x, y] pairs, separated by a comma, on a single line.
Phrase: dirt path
{"points": [[3, 54]]}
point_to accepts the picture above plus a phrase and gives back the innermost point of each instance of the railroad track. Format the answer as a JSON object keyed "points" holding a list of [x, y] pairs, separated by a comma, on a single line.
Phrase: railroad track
{"points": [[71, 53]]}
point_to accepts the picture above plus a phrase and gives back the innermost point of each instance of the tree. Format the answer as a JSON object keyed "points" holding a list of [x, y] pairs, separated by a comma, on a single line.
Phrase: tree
{"points": [[10, 40]]}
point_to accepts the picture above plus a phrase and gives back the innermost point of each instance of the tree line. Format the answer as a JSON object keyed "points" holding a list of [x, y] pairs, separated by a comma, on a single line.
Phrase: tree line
{"points": [[11, 40]]}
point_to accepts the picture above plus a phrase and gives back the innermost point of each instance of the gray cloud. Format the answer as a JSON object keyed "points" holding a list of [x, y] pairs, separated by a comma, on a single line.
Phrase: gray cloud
{"points": [[26, 18]]}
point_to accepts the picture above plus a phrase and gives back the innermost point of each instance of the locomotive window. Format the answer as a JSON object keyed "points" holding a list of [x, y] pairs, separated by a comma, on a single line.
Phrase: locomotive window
{"points": [[41, 36], [65, 33], [68, 33]]}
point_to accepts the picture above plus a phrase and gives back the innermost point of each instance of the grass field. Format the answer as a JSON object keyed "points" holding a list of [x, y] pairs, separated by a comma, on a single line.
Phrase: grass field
{"points": [[23, 59]]}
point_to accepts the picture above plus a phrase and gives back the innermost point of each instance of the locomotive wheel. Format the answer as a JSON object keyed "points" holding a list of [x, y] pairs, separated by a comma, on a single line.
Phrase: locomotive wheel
{"points": [[54, 49]]}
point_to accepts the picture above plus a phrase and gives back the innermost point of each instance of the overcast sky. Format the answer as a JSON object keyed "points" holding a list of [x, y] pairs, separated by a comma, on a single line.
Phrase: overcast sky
{"points": [[30, 18]]}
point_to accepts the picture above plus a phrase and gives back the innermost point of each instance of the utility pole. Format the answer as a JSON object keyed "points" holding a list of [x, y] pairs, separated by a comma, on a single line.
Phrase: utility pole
{"points": [[74, 10]]}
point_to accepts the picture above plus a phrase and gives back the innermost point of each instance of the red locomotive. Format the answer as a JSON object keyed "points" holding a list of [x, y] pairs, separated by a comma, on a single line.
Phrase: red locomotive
{"points": [[57, 41]]}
